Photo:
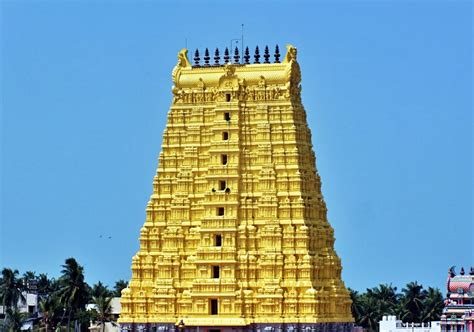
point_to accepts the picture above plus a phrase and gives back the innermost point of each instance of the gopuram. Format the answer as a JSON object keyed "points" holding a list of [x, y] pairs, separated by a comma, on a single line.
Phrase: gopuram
{"points": [[458, 311], [236, 236]]}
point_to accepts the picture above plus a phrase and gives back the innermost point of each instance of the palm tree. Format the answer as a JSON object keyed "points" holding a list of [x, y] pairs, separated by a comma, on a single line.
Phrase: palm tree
{"points": [[28, 280], [432, 305], [10, 288], [104, 311], [45, 285], [369, 316], [72, 289], [119, 285], [14, 320], [51, 311], [368, 308], [384, 292], [356, 306], [386, 298], [411, 304], [28, 275], [99, 289]]}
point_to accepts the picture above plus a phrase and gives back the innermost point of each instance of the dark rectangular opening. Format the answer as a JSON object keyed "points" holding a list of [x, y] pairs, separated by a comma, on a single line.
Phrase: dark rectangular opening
{"points": [[225, 135], [227, 116], [224, 159], [215, 272], [222, 185], [214, 330], [218, 240], [227, 97], [214, 307], [220, 211]]}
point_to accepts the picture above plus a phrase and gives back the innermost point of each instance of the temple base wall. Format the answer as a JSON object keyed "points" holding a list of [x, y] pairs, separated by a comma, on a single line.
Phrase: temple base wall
{"points": [[287, 327]]}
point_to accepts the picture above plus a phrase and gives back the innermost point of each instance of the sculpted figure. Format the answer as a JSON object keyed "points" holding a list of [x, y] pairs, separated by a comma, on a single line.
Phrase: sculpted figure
{"points": [[199, 97], [276, 93], [229, 69], [177, 95], [201, 83], [183, 58], [290, 53], [182, 63], [251, 94]]}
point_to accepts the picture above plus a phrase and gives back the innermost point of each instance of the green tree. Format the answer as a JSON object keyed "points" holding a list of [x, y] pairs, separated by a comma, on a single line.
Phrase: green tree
{"points": [[369, 307], [45, 285], [357, 305], [73, 291], [386, 299], [119, 285], [14, 320], [99, 289], [411, 302], [10, 288], [103, 311], [29, 275], [432, 305], [369, 315], [84, 318], [51, 311], [28, 279], [412, 305], [384, 292]]}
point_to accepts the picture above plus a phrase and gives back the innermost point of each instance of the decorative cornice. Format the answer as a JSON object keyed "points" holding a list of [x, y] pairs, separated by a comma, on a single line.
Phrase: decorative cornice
{"points": [[283, 74]]}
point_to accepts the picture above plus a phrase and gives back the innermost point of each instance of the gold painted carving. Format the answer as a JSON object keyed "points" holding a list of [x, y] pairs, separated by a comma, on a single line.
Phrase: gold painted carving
{"points": [[236, 213]]}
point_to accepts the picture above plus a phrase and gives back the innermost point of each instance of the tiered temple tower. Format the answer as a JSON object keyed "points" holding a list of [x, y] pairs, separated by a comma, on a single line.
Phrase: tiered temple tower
{"points": [[236, 236]]}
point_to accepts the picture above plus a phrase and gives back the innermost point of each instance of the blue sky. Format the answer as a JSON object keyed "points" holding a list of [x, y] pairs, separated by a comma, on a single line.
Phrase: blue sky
{"points": [[387, 86]]}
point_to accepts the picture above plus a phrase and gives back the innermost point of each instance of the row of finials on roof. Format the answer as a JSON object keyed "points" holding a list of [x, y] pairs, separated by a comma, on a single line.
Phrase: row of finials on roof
{"points": [[452, 273], [227, 58]]}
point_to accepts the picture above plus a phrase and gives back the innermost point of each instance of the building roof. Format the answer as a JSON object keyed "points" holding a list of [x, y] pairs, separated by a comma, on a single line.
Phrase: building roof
{"points": [[115, 305], [461, 283]]}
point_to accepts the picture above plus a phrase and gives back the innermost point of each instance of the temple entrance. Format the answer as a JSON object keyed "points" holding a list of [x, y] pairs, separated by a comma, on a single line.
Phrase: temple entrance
{"points": [[214, 330]]}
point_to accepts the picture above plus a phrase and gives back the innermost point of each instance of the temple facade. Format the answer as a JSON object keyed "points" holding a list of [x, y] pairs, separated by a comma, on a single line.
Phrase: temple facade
{"points": [[458, 313], [236, 236]]}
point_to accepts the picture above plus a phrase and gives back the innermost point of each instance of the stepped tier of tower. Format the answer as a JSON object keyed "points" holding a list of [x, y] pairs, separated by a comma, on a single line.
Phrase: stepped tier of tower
{"points": [[236, 232]]}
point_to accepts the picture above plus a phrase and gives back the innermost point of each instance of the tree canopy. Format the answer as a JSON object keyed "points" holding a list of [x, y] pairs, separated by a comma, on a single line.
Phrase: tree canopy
{"points": [[412, 304], [62, 301]]}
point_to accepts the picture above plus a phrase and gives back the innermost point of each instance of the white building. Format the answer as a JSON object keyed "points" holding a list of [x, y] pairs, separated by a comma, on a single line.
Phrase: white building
{"points": [[392, 324], [28, 305]]}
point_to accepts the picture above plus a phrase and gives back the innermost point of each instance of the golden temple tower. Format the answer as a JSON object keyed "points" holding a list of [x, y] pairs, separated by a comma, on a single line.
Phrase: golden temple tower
{"points": [[236, 236]]}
